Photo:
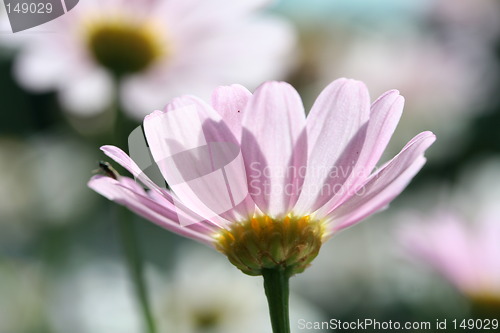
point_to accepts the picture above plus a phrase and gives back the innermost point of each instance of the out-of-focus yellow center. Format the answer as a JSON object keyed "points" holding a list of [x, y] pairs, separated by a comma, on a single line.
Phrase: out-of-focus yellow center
{"points": [[123, 46], [207, 320], [485, 304], [263, 242]]}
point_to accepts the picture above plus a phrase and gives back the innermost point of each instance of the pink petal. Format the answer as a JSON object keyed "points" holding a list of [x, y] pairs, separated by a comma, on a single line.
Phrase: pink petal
{"points": [[127, 193], [273, 144], [335, 132], [383, 186], [158, 194], [384, 117], [446, 244], [230, 101], [486, 247], [120, 157], [198, 156]]}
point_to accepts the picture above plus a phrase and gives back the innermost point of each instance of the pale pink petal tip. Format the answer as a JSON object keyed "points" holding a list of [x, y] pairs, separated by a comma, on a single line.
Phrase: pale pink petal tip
{"points": [[127, 193], [154, 114], [384, 185], [104, 186]]}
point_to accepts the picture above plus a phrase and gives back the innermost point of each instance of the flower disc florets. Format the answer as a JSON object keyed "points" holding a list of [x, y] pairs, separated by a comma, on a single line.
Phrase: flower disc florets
{"points": [[123, 47], [263, 242]]}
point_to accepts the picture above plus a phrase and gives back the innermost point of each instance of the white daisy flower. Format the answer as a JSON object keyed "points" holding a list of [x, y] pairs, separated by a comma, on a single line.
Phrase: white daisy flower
{"points": [[154, 49]]}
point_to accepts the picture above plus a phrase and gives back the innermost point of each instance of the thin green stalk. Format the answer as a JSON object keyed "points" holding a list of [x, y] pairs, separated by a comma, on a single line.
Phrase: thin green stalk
{"points": [[133, 257], [126, 226], [277, 291]]}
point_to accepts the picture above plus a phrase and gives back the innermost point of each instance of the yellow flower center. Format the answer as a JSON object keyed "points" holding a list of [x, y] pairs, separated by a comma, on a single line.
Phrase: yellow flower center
{"points": [[123, 46], [206, 320], [485, 305], [263, 242]]}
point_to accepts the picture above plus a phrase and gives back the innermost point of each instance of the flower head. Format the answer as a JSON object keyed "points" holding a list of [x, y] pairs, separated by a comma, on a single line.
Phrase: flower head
{"points": [[252, 177], [460, 238], [155, 49]]}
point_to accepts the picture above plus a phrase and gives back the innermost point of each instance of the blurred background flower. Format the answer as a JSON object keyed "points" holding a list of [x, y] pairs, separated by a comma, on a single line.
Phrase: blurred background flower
{"points": [[199, 294], [95, 297], [460, 238], [211, 301], [58, 242], [436, 53], [151, 51], [43, 184]]}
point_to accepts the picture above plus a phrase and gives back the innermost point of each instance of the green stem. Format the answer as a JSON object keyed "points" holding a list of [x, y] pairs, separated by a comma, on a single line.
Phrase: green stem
{"points": [[126, 227], [277, 291], [134, 262]]}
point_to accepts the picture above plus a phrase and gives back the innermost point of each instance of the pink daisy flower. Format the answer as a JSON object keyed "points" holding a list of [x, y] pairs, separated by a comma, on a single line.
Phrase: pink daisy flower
{"points": [[464, 253], [250, 176]]}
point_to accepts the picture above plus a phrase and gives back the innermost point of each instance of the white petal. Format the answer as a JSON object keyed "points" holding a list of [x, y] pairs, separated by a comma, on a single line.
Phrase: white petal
{"points": [[88, 95]]}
